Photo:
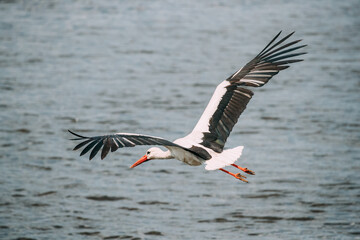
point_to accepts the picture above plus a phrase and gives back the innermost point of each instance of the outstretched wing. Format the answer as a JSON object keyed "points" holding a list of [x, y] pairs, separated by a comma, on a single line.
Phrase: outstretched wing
{"points": [[231, 96], [119, 140], [115, 141]]}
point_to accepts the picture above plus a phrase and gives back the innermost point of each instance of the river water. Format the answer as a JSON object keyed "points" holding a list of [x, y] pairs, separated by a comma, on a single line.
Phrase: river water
{"points": [[150, 67]]}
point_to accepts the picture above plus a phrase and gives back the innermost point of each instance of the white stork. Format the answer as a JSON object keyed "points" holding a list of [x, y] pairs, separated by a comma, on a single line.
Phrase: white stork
{"points": [[205, 144]]}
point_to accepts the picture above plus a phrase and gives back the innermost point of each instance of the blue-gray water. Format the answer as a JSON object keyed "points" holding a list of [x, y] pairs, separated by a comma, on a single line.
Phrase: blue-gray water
{"points": [[150, 67]]}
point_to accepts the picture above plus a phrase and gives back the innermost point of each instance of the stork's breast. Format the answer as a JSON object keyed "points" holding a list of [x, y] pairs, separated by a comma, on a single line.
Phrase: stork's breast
{"points": [[185, 156]]}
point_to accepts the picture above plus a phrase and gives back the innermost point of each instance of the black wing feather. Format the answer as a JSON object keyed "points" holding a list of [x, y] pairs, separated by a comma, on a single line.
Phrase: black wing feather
{"points": [[106, 148], [267, 59], [114, 145], [80, 145], [88, 147], [97, 147]]}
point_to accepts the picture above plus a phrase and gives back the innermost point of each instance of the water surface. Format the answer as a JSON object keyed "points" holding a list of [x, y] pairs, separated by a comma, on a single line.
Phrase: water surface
{"points": [[100, 67]]}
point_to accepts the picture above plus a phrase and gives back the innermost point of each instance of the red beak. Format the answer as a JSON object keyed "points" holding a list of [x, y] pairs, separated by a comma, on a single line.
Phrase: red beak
{"points": [[140, 161]]}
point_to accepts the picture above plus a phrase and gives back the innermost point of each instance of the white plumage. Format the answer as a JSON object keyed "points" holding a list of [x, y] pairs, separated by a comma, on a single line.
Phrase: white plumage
{"points": [[226, 158]]}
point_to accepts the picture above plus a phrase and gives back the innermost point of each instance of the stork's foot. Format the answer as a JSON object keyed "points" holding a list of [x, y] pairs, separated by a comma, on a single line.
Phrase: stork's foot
{"points": [[241, 177], [248, 171], [235, 175]]}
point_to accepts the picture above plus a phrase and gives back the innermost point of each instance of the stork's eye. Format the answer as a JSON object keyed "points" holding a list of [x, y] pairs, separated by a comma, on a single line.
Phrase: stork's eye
{"points": [[148, 152]]}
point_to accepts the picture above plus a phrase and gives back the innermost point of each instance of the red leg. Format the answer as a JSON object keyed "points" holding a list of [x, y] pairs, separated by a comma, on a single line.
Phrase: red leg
{"points": [[235, 175], [244, 169]]}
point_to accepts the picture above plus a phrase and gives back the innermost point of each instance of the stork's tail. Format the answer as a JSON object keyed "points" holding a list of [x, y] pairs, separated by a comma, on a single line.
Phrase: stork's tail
{"points": [[226, 158]]}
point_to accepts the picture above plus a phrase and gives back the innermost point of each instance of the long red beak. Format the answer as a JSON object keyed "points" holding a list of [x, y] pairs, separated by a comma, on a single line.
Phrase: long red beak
{"points": [[140, 161]]}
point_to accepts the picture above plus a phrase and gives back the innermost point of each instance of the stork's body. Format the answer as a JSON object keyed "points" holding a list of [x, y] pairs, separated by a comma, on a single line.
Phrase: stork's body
{"points": [[205, 144]]}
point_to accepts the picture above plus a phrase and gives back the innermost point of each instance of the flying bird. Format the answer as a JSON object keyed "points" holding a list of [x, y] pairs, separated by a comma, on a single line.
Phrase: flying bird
{"points": [[205, 144]]}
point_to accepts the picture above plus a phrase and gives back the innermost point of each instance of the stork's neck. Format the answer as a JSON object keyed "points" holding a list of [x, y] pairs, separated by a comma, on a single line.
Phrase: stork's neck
{"points": [[163, 154]]}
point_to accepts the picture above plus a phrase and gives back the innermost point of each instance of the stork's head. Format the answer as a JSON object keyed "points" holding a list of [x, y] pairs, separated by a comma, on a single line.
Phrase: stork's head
{"points": [[151, 153]]}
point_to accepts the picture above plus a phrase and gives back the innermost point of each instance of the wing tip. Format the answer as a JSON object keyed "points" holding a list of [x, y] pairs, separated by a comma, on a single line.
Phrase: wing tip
{"points": [[77, 135]]}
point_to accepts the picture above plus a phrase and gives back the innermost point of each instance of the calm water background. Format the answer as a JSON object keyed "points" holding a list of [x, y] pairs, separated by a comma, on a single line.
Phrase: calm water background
{"points": [[150, 67]]}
